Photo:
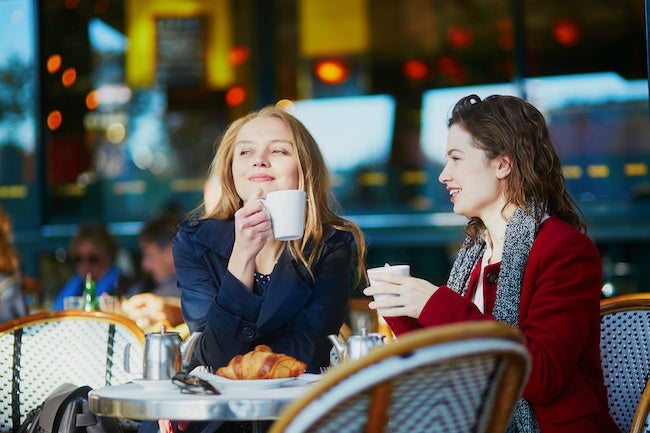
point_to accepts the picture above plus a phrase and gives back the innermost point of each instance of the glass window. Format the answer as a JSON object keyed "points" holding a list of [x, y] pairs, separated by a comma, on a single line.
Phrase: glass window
{"points": [[18, 130], [132, 95]]}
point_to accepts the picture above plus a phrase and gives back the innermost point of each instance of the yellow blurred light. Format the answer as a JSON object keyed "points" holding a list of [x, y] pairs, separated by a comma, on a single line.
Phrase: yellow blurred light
{"points": [[372, 178], [572, 171], [69, 77], [286, 104], [54, 120], [54, 63], [598, 171], [140, 60], [414, 177], [635, 169], [115, 133]]}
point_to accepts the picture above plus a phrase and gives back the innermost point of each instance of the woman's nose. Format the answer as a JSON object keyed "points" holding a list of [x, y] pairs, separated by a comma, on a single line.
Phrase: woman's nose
{"points": [[261, 160], [444, 176]]}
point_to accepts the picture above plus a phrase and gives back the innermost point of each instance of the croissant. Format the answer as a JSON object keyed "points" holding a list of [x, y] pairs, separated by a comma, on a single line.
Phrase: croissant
{"points": [[262, 363]]}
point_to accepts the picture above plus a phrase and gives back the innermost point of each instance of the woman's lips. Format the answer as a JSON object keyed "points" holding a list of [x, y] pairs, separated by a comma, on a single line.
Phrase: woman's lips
{"points": [[260, 178]]}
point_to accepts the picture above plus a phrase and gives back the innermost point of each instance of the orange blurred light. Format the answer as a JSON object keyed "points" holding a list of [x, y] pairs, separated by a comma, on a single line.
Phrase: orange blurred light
{"points": [[459, 37], [415, 69], [331, 71], [505, 39], [235, 96], [450, 67], [54, 120], [71, 4], [238, 55], [69, 77], [101, 6], [54, 63], [566, 31], [92, 100]]}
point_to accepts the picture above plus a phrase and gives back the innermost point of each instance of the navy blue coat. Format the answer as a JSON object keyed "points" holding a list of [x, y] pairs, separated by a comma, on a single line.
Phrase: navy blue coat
{"points": [[293, 317]]}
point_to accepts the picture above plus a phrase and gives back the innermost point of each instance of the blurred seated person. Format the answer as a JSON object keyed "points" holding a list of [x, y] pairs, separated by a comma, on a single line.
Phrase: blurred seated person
{"points": [[161, 303], [12, 299], [94, 251]]}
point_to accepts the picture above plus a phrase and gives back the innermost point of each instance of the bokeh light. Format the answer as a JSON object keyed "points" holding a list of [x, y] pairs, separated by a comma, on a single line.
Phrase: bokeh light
{"points": [[54, 63], [69, 77], [331, 71], [54, 120], [92, 100], [238, 55], [235, 96], [416, 69]]}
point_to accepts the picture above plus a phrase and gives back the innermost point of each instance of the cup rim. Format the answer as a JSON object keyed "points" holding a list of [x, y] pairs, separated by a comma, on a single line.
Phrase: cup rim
{"points": [[386, 268]]}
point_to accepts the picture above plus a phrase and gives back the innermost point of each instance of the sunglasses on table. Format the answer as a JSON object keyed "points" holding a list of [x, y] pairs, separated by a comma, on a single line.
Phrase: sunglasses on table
{"points": [[193, 385]]}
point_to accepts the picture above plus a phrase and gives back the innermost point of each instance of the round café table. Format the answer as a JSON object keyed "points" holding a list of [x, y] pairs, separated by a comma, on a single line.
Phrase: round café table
{"points": [[153, 400]]}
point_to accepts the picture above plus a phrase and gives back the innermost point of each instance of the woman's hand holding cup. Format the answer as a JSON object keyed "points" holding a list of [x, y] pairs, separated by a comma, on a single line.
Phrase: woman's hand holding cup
{"points": [[396, 293], [380, 289], [252, 225]]}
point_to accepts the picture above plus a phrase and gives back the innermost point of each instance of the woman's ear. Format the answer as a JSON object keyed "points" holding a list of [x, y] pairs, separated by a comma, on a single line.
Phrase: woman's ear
{"points": [[504, 166]]}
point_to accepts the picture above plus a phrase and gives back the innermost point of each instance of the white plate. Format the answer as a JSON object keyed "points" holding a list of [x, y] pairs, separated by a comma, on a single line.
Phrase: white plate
{"points": [[225, 385]]}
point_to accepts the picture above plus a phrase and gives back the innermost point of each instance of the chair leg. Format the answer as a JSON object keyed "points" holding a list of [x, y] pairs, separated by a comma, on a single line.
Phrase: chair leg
{"points": [[380, 397]]}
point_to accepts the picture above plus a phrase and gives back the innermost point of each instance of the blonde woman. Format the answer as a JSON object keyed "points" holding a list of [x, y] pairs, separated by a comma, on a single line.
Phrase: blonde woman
{"points": [[240, 285]]}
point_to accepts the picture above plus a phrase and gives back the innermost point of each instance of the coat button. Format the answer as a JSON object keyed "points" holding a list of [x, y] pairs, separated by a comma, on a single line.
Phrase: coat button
{"points": [[492, 277], [193, 223], [248, 332]]}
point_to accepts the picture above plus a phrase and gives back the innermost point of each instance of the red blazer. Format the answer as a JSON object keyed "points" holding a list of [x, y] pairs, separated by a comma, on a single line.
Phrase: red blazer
{"points": [[559, 316]]}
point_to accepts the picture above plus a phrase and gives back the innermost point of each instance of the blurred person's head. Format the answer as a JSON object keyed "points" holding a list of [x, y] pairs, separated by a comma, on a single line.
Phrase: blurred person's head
{"points": [[156, 246], [93, 250], [8, 255]]}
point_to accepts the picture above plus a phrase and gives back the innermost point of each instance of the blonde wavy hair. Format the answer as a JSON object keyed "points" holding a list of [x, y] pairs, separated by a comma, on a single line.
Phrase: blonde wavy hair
{"points": [[313, 178]]}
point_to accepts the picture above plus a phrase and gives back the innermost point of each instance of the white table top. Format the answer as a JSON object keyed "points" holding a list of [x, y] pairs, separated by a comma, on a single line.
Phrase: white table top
{"points": [[152, 400]]}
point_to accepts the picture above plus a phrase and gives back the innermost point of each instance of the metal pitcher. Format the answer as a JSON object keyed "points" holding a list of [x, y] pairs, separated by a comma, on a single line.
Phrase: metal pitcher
{"points": [[356, 345], [165, 354]]}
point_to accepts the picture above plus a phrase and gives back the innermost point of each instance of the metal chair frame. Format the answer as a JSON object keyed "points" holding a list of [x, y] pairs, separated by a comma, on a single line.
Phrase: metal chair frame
{"points": [[625, 357], [464, 377], [41, 351]]}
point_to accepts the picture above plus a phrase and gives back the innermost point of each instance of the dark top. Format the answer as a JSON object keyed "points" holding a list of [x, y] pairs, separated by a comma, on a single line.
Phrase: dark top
{"points": [[292, 313]]}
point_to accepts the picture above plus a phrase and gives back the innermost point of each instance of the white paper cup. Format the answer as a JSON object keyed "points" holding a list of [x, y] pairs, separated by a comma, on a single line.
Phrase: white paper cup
{"points": [[287, 211], [394, 269]]}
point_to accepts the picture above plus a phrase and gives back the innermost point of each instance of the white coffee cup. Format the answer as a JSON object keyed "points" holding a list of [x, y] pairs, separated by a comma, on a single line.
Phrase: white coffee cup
{"points": [[287, 211], [393, 269]]}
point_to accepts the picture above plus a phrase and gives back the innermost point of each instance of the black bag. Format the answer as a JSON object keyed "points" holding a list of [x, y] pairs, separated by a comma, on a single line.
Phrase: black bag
{"points": [[65, 410]]}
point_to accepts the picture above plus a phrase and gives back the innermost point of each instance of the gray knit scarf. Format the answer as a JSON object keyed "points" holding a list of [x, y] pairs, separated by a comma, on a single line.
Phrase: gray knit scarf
{"points": [[520, 234]]}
